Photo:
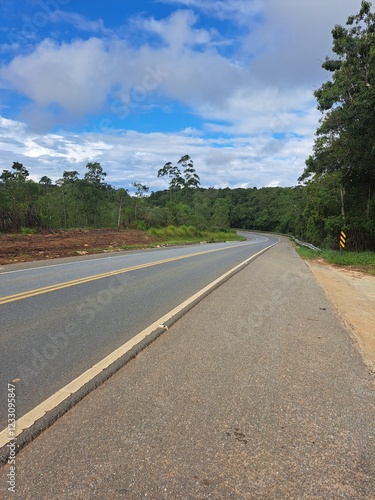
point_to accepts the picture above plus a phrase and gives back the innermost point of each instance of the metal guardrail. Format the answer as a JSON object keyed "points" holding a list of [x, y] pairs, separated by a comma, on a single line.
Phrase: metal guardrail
{"points": [[308, 245]]}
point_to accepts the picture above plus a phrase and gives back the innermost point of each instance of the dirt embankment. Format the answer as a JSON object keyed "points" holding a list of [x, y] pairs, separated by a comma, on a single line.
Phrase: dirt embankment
{"points": [[353, 294], [16, 248]]}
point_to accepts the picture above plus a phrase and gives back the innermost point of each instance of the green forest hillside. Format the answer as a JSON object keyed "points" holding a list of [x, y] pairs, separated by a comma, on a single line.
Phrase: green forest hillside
{"points": [[311, 212]]}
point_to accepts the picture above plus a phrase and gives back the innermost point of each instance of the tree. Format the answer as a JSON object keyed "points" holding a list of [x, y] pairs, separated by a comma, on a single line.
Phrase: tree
{"points": [[70, 176], [191, 178], [141, 191], [174, 174], [45, 181], [19, 197], [46, 201], [346, 136], [95, 173], [345, 143], [120, 195], [220, 215], [20, 174], [177, 180], [71, 198]]}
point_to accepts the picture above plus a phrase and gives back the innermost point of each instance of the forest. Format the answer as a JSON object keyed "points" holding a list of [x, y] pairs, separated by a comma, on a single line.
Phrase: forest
{"points": [[335, 190]]}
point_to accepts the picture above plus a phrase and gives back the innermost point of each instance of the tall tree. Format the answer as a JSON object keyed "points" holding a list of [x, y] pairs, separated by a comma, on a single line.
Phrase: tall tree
{"points": [[191, 178], [95, 173], [70, 176], [173, 173], [177, 180], [141, 191], [19, 195], [121, 194], [45, 181], [345, 141]]}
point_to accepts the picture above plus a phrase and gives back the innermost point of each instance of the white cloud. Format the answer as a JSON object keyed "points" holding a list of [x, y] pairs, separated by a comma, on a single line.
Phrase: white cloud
{"points": [[73, 76], [256, 104], [78, 21], [129, 156], [240, 11], [296, 37], [177, 30], [67, 81]]}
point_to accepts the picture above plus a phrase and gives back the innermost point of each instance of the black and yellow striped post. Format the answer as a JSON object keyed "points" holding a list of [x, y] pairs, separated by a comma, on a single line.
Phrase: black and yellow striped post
{"points": [[342, 240]]}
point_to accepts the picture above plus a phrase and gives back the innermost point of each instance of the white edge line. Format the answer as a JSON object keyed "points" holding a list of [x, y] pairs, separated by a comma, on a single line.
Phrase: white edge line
{"points": [[39, 411]]}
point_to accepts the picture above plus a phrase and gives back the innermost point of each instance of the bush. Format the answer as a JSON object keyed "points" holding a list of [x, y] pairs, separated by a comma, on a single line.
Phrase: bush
{"points": [[153, 231], [191, 234], [171, 231]]}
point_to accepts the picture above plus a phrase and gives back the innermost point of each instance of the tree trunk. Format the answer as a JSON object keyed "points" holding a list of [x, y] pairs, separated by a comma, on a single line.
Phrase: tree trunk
{"points": [[119, 213], [368, 204], [64, 207], [342, 195]]}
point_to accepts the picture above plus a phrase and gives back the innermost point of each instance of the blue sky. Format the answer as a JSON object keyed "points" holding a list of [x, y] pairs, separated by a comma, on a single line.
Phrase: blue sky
{"points": [[134, 84]]}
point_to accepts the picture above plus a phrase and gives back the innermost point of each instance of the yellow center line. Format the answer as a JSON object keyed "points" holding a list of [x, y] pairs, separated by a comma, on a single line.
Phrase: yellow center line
{"points": [[80, 281]]}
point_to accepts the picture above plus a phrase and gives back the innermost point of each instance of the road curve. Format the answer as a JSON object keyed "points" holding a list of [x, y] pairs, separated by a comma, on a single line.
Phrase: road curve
{"points": [[60, 319]]}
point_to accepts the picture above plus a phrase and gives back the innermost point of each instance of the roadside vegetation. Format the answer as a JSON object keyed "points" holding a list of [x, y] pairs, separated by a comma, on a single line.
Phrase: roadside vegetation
{"points": [[361, 261], [189, 234]]}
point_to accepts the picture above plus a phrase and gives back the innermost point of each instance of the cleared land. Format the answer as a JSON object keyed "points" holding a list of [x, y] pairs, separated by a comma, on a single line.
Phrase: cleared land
{"points": [[16, 248], [40, 246]]}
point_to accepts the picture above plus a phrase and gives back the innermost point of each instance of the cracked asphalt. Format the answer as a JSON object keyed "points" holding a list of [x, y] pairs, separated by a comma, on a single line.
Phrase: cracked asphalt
{"points": [[258, 392]]}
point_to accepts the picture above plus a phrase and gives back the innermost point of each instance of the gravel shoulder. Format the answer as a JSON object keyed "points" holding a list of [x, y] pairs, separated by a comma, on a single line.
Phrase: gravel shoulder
{"points": [[353, 294]]}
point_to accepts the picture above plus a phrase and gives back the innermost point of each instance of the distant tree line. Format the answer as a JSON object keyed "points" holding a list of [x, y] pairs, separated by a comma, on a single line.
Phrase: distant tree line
{"points": [[337, 190], [311, 212]]}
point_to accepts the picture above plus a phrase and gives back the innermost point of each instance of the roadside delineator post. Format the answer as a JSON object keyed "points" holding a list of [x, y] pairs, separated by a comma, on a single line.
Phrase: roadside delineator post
{"points": [[342, 241]]}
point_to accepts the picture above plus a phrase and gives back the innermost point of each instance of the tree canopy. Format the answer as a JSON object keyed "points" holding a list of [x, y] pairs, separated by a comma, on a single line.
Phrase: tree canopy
{"points": [[345, 145]]}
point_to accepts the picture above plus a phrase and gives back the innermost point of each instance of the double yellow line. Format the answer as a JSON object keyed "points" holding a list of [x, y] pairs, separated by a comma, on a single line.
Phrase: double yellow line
{"points": [[80, 281]]}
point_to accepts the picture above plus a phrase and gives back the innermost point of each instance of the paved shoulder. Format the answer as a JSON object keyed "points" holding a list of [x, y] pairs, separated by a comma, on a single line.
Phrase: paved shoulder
{"points": [[257, 392]]}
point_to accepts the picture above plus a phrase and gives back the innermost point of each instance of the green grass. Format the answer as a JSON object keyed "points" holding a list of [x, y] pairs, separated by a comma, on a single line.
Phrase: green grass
{"points": [[27, 230], [363, 261], [173, 235]]}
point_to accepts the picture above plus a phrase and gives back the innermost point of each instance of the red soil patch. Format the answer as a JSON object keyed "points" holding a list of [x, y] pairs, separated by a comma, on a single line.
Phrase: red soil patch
{"points": [[40, 246]]}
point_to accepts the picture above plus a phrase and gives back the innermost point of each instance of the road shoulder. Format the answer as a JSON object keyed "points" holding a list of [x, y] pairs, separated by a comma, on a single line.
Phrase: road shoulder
{"points": [[353, 294]]}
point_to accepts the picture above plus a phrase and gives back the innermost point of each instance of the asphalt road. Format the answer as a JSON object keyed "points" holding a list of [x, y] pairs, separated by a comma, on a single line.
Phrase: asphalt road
{"points": [[59, 319], [258, 392]]}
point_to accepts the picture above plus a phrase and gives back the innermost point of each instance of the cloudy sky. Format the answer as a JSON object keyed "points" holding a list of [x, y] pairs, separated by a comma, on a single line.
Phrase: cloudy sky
{"points": [[134, 84]]}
